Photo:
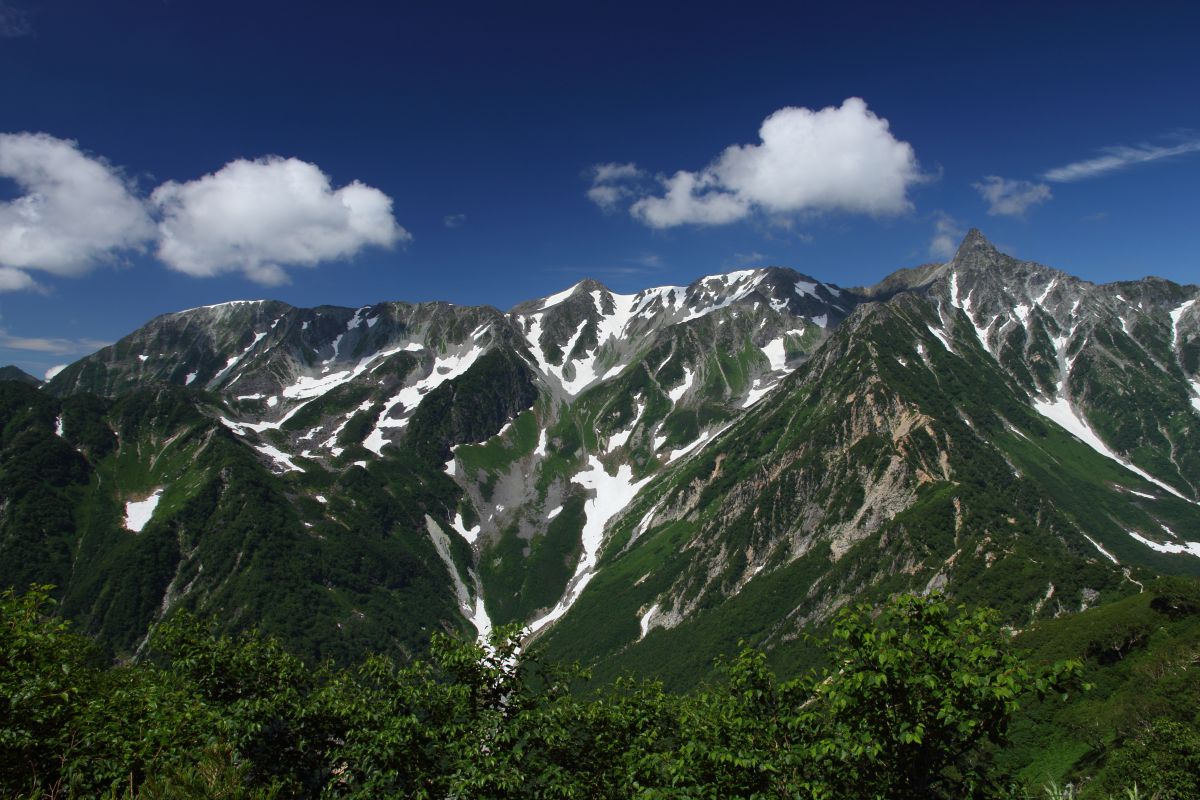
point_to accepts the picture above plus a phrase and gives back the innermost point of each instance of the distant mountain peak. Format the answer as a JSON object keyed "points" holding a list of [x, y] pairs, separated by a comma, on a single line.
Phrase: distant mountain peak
{"points": [[14, 373]]}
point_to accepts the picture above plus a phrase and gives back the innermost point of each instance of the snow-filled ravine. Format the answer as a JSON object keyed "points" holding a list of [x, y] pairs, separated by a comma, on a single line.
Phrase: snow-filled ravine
{"points": [[445, 368], [613, 494], [1060, 410]]}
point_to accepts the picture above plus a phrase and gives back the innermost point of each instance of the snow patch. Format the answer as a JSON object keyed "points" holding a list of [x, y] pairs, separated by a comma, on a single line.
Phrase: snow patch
{"points": [[555, 299], [1190, 548], [700, 440], [58, 426], [191, 376], [470, 534], [621, 437], [776, 353], [645, 620], [678, 392], [139, 512], [554, 512], [278, 456], [758, 390]]}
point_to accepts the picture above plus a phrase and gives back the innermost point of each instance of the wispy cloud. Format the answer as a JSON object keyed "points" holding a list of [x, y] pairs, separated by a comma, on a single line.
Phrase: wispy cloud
{"points": [[14, 22], [1011, 198], [947, 233], [1117, 158], [613, 183], [51, 346], [454, 220], [751, 259]]}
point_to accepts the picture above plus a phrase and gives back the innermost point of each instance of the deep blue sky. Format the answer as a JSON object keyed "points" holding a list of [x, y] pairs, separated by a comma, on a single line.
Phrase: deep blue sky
{"points": [[498, 112]]}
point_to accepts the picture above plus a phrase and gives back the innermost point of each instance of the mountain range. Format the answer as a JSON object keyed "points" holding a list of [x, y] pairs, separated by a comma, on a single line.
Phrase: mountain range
{"points": [[641, 480]]}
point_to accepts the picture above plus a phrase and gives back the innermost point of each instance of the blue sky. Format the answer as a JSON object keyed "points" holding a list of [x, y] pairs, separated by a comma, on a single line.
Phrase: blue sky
{"points": [[161, 155]]}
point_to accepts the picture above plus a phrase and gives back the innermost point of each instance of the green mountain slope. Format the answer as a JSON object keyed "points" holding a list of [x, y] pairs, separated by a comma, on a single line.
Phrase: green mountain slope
{"points": [[641, 479]]}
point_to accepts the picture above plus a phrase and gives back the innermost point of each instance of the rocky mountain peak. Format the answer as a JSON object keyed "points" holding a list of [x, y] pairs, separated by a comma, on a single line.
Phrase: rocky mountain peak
{"points": [[976, 250]]}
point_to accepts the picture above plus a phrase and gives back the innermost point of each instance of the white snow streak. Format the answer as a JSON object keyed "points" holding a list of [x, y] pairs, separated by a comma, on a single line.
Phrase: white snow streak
{"points": [[645, 620], [278, 456], [941, 337], [1176, 315], [1107, 554], [1060, 411], [621, 437], [234, 360], [1190, 548], [679, 391], [758, 392], [475, 613]]}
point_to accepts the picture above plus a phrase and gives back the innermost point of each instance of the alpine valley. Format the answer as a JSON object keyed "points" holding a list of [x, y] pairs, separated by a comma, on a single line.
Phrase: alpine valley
{"points": [[642, 480]]}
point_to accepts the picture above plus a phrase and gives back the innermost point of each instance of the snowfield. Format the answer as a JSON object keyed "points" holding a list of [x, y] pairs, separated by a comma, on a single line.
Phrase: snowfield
{"points": [[139, 512]]}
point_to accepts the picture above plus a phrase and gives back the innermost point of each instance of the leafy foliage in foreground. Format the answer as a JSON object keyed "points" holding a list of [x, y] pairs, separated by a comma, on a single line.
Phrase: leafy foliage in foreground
{"points": [[916, 702]]}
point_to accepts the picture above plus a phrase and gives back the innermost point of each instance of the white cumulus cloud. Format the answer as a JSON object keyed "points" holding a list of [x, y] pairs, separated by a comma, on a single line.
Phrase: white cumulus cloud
{"points": [[1011, 198], [841, 158], [75, 211], [258, 217]]}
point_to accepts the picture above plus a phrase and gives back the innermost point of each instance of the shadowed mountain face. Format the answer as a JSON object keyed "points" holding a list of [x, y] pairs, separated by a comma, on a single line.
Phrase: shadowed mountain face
{"points": [[636, 477]]}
